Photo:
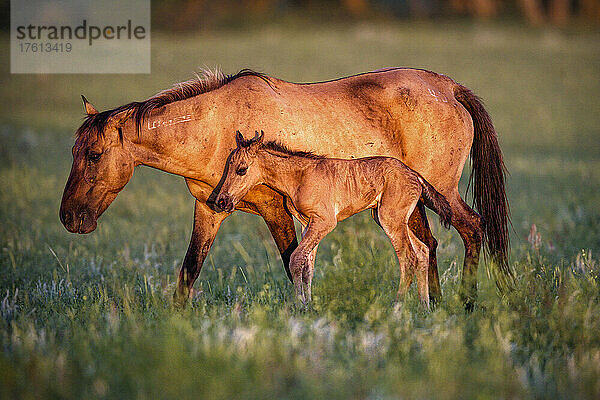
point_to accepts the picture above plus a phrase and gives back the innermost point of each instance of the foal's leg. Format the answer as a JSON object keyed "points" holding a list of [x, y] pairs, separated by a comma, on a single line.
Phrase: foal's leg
{"points": [[397, 204], [406, 259], [303, 256], [469, 225], [308, 271], [422, 266], [307, 274], [413, 259], [206, 225], [399, 243], [420, 227]]}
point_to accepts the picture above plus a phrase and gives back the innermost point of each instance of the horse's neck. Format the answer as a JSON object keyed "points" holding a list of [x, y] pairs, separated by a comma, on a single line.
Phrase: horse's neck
{"points": [[183, 148], [284, 174]]}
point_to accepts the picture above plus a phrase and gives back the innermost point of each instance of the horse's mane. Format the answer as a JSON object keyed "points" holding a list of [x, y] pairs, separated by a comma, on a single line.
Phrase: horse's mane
{"points": [[206, 81], [277, 147]]}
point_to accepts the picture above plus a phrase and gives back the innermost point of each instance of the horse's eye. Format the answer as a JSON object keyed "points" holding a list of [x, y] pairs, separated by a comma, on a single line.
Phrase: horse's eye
{"points": [[94, 156], [242, 170]]}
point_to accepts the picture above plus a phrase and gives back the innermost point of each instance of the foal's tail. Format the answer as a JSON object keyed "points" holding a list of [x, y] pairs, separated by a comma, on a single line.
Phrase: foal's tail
{"points": [[436, 202], [487, 177]]}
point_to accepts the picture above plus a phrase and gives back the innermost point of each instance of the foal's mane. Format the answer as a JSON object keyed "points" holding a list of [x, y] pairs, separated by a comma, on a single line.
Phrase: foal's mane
{"points": [[206, 81], [276, 147]]}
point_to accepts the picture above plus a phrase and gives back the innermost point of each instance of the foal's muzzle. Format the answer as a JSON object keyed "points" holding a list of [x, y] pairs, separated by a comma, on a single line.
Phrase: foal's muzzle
{"points": [[225, 202]]}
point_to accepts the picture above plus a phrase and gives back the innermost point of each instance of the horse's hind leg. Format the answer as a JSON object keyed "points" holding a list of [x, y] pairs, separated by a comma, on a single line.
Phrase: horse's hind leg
{"points": [[420, 227], [469, 225], [281, 225]]}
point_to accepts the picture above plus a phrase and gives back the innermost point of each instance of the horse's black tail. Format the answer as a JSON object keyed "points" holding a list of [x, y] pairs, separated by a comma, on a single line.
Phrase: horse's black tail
{"points": [[436, 202], [487, 179]]}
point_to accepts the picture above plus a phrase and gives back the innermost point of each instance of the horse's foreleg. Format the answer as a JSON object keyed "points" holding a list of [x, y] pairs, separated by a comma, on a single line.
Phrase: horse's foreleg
{"points": [[420, 227], [281, 226], [206, 225]]}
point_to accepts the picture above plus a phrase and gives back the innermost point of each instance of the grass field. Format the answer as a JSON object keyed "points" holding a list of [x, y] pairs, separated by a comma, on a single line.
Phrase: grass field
{"points": [[90, 316]]}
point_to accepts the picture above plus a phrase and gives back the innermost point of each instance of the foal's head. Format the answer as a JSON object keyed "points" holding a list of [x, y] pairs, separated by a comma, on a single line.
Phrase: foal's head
{"points": [[241, 171]]}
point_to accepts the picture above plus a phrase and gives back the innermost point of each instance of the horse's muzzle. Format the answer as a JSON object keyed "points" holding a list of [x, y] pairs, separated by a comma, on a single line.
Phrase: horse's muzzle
{"points": [[225, 203], [81, 222]]}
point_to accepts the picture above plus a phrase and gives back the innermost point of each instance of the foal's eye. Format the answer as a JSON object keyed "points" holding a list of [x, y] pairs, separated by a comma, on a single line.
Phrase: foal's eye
{"points": [[242, 170], [94, 156]]}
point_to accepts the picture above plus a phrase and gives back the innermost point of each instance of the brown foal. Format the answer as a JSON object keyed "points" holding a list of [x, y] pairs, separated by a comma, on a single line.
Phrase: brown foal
{"points": [[321, 191]]}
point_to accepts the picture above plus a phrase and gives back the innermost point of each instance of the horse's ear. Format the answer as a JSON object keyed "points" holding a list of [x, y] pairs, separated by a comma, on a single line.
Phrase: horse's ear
{"points": [[89, 108], [239, 139]]}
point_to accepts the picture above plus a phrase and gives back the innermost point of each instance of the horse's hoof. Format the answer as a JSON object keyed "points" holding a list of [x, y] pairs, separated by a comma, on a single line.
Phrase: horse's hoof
{"points": [[469, 306], [180, 299], [434, 301]]}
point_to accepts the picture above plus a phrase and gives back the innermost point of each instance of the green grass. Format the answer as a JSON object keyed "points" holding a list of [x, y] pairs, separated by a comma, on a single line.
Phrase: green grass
{"points": [[90, 316]]}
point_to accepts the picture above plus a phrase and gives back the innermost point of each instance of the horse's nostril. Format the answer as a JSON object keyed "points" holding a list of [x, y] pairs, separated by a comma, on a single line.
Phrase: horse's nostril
{"points": [[66, 217]]}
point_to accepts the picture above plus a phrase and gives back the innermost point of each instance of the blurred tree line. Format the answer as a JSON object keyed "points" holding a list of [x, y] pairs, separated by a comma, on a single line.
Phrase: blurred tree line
{"points": [[187, 15], [207, 14]]}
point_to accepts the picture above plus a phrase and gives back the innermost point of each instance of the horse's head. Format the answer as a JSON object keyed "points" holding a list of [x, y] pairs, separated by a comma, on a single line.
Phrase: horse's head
{"points": [[241, 174], [102, 166]]}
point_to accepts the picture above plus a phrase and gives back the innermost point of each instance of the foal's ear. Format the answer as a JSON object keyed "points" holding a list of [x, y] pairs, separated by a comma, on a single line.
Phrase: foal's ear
{"points": [[239, 139], [89, 108], [258, 137]]}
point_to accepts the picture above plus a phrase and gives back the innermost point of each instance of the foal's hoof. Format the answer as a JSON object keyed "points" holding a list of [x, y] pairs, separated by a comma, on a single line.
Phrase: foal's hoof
{"points": [[468, 301], [301, 304]]}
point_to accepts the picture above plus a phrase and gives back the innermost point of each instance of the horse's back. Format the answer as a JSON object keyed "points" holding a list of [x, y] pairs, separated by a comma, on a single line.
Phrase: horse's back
{"points": [[409, 114]]}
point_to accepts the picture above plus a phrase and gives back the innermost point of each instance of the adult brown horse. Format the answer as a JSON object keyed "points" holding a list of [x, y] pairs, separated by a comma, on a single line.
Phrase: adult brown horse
{"points": [[422, 118]]}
